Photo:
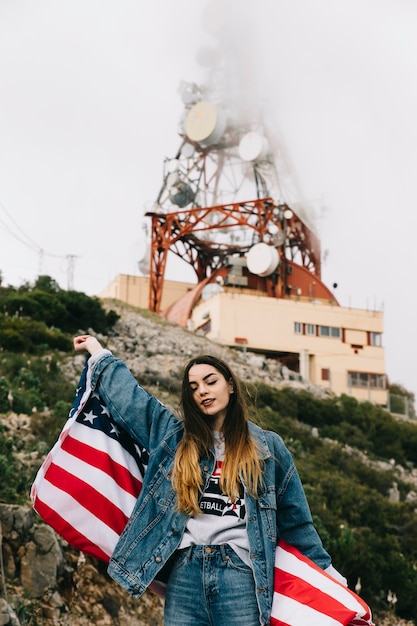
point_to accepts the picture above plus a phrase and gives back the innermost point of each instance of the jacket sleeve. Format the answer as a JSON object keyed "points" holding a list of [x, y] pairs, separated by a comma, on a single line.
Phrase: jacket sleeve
{"points": [[142, 415], [294, 520]]}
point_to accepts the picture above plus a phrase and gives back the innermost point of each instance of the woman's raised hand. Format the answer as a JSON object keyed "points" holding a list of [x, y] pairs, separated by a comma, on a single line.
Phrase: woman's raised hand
{"points": [[88, 343]]}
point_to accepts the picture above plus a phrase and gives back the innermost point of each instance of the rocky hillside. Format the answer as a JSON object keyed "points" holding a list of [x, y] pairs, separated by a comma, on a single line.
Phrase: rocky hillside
{"points": [[44, 581]]}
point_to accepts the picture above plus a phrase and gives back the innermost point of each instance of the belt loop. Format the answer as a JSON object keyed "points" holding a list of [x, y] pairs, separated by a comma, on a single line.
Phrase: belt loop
{"points": [[224, 551]]}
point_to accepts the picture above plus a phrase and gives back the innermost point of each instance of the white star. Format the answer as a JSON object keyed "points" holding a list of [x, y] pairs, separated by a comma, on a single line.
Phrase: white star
{"points": [[114, 430], [89, 417], [105, 410]]}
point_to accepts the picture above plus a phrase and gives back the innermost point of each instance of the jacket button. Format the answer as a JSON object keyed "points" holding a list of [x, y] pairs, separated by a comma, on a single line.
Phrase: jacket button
{"points": [[174, 532], [135, 590], [158, 559], [206, 468]]}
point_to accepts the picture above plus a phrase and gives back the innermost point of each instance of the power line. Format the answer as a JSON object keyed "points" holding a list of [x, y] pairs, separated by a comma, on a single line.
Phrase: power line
{"points": [[29, 243], [32, 245]]}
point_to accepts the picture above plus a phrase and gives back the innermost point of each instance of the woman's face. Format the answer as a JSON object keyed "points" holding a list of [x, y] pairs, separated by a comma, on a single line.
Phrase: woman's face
{"points": [[211, 392]]}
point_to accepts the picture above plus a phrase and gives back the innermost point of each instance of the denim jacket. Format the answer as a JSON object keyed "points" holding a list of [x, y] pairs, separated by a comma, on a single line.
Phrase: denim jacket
{"points": [[155, 528]]}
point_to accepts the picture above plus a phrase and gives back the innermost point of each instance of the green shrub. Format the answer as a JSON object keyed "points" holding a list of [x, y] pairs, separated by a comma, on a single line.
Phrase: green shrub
{"points": [[45, 302], [4, 392]]}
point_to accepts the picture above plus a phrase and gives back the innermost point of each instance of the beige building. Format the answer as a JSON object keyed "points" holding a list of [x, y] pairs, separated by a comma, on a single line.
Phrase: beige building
{"points": [[329, 345], [336, 347], [134, 290]]}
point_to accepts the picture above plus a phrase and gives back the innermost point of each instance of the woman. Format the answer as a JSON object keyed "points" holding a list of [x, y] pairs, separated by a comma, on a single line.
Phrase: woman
{"points": [[217, 495]]}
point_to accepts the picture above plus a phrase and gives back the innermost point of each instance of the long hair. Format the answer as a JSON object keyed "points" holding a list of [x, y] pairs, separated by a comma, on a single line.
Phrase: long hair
{"points": [[241, 460]]}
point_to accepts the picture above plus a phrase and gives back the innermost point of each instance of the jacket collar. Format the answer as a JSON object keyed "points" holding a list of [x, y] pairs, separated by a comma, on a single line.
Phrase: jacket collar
{"points": [[259, 436]]}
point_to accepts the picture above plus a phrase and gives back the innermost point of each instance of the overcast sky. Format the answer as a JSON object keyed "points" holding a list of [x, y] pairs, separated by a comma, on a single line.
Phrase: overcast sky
{"points": [[89, 108]]}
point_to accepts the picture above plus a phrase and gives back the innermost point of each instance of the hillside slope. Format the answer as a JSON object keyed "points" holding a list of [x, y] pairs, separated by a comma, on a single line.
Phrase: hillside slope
{"points": [[46, 582]]}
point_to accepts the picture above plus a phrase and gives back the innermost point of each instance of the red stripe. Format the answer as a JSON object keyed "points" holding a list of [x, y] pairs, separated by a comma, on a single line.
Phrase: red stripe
{"points": [[68, 532], [293, 587], [277, 622], [301, 557], [103, 461], [91, 499]]}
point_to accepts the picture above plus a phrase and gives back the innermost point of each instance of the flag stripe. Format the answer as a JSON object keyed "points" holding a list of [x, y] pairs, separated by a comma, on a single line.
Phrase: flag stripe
{"points": [[98, 481], [278, 622], [71, 534], [289, 585], [295, 613], [88, 497], [104, 462], [101, 441], [69, 509]]}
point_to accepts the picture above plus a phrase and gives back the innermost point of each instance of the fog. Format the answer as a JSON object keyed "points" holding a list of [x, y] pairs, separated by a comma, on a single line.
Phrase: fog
{"points": [[89, 109]]}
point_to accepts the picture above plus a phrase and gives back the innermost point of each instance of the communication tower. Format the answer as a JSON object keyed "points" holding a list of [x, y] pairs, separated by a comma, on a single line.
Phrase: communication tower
{"points": [[221, 210]]}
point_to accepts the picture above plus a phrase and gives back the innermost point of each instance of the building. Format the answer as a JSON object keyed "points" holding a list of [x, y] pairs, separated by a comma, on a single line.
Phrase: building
{"points": [[329, 345]]}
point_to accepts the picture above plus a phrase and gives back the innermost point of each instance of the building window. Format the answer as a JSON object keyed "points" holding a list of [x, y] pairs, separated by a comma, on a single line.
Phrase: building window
{"points": [[375, 339], [325, 373], [330, 331], [298, 328], [366, 380], [311, 329]]}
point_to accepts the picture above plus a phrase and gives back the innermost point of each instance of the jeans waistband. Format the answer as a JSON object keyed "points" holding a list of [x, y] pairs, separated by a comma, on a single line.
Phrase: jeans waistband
{"points": [[206, 550]]}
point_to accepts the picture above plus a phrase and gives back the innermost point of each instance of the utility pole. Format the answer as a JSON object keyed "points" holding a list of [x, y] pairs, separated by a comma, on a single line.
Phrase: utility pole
{"points": [[70, 271]]}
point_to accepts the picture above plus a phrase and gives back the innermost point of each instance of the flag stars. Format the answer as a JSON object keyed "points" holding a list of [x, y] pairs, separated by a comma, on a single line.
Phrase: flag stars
{"points": [[105, 410], [90, 417], [114, 430]]}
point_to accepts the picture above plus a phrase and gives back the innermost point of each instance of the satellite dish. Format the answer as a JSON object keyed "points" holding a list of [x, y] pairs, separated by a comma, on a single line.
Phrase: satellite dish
{"points": [[187, 150], [144, 267], [279, 238], [288, 214], [172, 179], [173, 165], [181, 195], [210, 290], [253, 147], [205, 124], [262, 259]]}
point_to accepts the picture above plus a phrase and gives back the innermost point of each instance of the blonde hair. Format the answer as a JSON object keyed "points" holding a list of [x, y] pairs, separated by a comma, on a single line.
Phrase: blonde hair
{"points": [[241, 462]]}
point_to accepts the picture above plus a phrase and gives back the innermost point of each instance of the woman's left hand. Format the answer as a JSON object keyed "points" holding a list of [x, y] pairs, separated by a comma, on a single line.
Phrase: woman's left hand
{"points": [[87, 343]]}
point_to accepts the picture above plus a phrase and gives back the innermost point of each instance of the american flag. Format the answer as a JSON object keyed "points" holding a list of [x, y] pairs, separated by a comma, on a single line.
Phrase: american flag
{"points": [[88, 485]]}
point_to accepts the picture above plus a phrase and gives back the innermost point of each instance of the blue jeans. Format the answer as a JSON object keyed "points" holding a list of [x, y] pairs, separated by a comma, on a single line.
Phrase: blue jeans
{"points": [[210, 586]]}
